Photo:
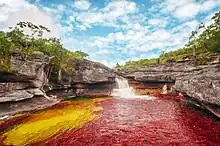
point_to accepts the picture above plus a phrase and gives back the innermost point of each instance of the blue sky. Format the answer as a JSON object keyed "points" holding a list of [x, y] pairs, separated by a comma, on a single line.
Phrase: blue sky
{"points": [[114, 31]]}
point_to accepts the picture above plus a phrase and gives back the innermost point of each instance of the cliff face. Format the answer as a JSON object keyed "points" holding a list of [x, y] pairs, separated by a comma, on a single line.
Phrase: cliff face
{"points": [[27, 78], [91, 72], [201, 83], [25, 82], [89, 78], [29, 70]]}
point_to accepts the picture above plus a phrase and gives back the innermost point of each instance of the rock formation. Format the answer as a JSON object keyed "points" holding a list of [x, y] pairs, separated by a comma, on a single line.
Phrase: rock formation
{"points": [[89, 78], [201, 83], [24, 82]]}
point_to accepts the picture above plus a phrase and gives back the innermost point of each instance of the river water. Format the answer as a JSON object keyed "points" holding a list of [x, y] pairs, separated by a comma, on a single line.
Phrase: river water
{"points": [[160, 121]]}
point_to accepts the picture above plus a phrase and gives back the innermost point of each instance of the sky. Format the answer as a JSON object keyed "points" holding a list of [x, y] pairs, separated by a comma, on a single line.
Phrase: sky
{"points": [[113, 31]]}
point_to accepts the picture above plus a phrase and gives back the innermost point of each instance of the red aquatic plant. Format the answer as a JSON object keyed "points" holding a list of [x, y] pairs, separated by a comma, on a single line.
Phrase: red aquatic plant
{"points": [[140, 122]]}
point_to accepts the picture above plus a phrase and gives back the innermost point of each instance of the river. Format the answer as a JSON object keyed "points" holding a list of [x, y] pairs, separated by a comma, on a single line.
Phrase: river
{"points": [[158, 121], [166, 120]]}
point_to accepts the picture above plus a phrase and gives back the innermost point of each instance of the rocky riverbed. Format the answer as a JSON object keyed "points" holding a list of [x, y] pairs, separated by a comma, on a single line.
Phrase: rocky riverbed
{"points": [[29, 79]]}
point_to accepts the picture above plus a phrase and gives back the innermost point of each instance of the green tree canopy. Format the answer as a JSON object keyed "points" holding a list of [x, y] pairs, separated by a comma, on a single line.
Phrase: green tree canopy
{"points": [[16, 39]]}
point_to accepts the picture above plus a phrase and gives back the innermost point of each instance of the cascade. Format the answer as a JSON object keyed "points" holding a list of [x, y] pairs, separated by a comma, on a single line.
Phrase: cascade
{"points": [[125, 91], [164, 90]]}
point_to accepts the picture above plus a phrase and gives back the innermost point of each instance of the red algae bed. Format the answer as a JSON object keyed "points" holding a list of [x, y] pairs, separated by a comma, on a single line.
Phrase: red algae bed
{"points": [[114, 121]]}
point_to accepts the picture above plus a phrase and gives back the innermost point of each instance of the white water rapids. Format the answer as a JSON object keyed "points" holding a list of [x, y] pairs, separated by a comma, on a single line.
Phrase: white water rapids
{"points": [[125, 91]]}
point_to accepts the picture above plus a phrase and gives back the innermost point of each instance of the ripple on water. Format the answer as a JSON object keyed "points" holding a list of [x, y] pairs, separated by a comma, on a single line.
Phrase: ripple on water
{"points": [[58, 119], [136, 122]]}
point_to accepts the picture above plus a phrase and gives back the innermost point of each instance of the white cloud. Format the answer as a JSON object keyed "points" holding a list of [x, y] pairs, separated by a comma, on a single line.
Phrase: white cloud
{"points": [[103, 51], [61, 7], [161, 34], [121, 7], [209, 5], [185, 9], [208, 19], [82, 4], [186, 28], [107, 16], [158, 22], [8, 7], [119, 36], [14, 11], [172, 5], [3, 18]]}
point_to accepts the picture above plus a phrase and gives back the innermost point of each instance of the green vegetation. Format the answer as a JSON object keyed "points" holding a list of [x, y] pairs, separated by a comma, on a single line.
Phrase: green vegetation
{"points": [[17, 40], [203, 42]]}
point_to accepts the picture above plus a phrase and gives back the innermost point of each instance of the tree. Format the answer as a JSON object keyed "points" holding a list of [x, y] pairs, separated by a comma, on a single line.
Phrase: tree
{"points": [[118, 65], [192, 41], [81, 54], [27, 43]]}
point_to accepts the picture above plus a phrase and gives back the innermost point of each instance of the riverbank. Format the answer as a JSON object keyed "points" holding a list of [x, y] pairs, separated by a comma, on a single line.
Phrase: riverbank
{"points": [[197, 82]]}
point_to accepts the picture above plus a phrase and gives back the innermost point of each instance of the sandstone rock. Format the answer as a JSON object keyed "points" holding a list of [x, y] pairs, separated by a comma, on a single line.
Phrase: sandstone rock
{"points": [[15, 95], [93, 92], [29, 67], [27, 70], [36, 92], [203, 88], [26, 79], [40, 78], [88, 78], [91, 72], [5, 87], [37, 103], [199, 82]]}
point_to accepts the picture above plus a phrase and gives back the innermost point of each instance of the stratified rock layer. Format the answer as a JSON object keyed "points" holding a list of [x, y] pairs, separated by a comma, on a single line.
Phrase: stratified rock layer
{"points": [[89, 78], [26, 79], [91, 72], [21, 90], [201, 83]]}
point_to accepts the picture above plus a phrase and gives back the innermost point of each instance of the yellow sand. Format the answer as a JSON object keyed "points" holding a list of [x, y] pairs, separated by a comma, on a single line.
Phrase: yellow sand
{"points": [[43, 125]]}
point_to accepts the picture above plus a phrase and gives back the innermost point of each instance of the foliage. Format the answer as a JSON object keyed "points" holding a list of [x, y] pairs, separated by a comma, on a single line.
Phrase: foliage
{"points": [[17, 40], [205, 39]]}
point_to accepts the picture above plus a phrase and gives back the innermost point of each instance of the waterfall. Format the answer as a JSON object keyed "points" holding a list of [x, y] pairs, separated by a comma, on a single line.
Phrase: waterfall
{"points": [[60, 75], [125, 91], [164, 90]]}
